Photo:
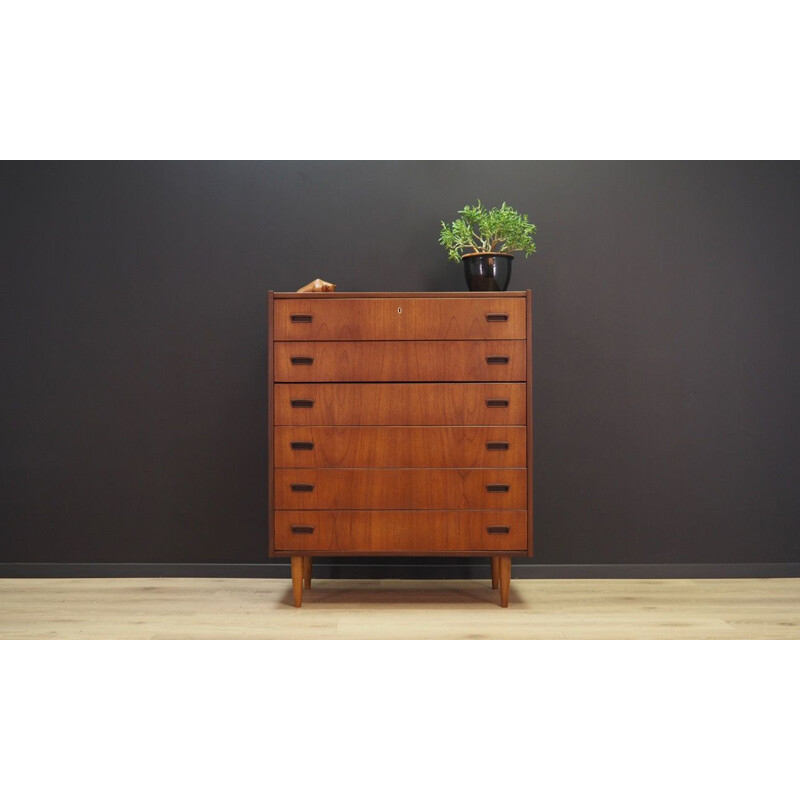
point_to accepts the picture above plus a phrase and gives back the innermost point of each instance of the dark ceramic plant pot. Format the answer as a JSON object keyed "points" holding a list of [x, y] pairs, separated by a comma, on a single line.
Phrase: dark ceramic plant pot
{"points": [[487, 272]]}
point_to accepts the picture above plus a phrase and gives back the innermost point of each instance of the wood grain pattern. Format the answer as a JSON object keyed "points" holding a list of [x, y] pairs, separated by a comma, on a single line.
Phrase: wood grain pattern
{"points": [[398, 423], [529, 409], [400, 404], [400, 488], [259, 608], [389, 446], [270, 422], [376, 362], [400, 531], [298, 569], [401, 318]]}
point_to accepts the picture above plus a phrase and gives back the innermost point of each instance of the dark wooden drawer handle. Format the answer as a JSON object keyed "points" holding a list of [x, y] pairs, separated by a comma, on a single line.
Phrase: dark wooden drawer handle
{"points": [[497, 317], [302, 529], [497, 487], [497, 359], [497, 445], [302, 403], [302, 487], [497, 403], [302, 360], [302, 445], [301, 317], [498, 529]]}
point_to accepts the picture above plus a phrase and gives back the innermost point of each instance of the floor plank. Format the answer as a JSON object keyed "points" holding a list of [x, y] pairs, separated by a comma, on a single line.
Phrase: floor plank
{"points": [[238, 608]]}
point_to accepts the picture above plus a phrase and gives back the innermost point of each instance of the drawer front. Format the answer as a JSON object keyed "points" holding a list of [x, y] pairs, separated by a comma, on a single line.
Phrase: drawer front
{"points": [[389, 446], [312, 362], [400, 531], [400, 404], [400, 488], [330, 318]]}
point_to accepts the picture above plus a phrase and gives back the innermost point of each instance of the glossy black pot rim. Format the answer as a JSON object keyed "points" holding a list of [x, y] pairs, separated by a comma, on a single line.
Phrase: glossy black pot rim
{"points": [[479, 255]]}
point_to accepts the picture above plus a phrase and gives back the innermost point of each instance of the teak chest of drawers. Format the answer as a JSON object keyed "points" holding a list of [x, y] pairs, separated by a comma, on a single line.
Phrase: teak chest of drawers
{"points": [[400, 424]]}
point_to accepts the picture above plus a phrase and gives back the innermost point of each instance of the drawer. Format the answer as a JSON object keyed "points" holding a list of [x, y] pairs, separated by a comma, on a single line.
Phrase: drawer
{"points": [[332, 318], [400, 488], [399, 404], [311, 362], [400, 531], [395, 446]]}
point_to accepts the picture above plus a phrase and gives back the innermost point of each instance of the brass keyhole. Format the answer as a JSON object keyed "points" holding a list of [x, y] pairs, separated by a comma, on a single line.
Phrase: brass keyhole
{"points": [[399, 309]]}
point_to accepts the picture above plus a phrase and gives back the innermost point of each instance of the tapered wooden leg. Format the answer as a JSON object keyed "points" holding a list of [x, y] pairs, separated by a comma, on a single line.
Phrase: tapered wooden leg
{"points": [[307, 571], [297, 579], [505, 579], [495, 571]]}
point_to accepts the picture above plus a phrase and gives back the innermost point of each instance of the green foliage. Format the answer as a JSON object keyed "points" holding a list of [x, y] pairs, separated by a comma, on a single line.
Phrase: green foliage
{"points": [[484, 230]]}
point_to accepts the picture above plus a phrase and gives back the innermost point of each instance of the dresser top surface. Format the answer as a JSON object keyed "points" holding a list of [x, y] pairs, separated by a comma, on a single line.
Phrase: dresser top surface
{"points": [[334, 295]]}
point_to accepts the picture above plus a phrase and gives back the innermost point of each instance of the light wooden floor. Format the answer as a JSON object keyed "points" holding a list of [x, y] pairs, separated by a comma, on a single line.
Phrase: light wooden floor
{"points": [[225, 608]]}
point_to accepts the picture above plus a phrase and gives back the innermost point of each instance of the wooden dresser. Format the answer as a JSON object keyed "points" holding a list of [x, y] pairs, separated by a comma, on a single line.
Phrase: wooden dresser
{"points": [[400, 424]]}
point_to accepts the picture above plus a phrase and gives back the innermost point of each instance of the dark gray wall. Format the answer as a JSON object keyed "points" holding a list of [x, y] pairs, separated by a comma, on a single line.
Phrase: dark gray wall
{"points": [[132, 349]]}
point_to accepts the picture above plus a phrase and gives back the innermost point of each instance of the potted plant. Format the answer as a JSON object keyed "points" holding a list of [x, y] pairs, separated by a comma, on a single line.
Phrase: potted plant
{"points": [[493, 234]]}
